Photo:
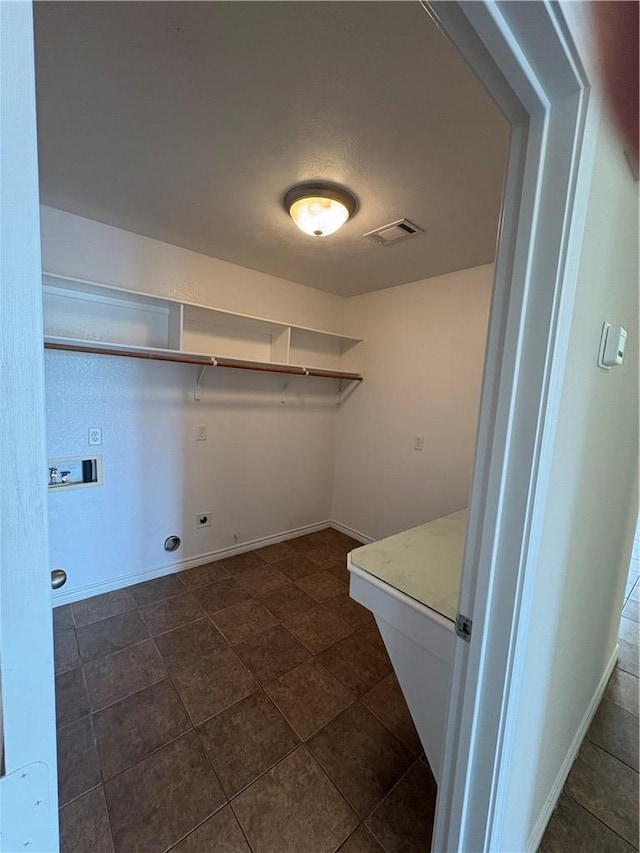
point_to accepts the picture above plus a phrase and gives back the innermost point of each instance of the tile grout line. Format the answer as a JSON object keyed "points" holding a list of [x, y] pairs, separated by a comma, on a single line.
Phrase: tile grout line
{"points": [[170, 676], [176, 627], [622, 708], [194, 727], [617, 760], [386, 796], [301, 745], [303, 740], [242, 830], [231, 646], [148, 755], [262, 772], [157, 749], [79, 796], [613, 755], [604, 823], [191, 831], [393, 787], [102, 618], [82, 664], [106, 805]]}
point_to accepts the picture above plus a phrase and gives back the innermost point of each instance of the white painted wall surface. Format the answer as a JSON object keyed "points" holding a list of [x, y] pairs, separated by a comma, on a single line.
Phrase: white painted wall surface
{"points": [[262, 471], [265, 469], [423, 360], [592, 505], [81, 248]]}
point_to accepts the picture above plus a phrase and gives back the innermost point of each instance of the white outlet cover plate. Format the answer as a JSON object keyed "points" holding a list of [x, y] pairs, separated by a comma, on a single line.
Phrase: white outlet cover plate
{"points": [[95, 435], [201, 433]]}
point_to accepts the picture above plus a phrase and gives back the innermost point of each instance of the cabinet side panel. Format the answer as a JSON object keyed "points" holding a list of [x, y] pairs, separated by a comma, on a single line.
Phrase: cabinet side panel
{"points": [[281, 346]]}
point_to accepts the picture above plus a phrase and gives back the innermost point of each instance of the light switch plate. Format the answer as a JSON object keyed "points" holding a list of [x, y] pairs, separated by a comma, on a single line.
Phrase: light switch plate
{"points": [[613, 341]]}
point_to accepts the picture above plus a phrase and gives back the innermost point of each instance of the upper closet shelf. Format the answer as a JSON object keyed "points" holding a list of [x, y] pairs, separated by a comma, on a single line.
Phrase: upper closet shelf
{"points": [[83, 316]]}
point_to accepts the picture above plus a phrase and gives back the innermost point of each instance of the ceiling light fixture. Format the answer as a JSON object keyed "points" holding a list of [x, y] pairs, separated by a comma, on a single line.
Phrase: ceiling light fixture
{"points": [[319, 209]]}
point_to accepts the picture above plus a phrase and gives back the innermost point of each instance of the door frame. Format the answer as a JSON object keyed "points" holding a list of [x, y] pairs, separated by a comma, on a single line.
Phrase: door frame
{"points": [[28, 790], [525, 55]]}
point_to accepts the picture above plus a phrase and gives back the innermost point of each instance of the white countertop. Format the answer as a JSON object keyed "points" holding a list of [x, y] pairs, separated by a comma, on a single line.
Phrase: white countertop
{"points": [[424, 562]]}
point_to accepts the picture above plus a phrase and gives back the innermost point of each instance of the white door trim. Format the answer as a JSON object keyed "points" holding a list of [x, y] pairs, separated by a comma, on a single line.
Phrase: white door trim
{"points": [[28, 791], [524, 55]]}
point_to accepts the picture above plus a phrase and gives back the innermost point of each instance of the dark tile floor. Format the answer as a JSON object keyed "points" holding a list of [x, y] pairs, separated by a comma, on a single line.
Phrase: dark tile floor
{"points": [[247, 704], [598, 808]]}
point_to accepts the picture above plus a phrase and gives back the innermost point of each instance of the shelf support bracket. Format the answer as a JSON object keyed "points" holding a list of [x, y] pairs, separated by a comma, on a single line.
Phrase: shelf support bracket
{"points": [[350, 388], [197, 391]]}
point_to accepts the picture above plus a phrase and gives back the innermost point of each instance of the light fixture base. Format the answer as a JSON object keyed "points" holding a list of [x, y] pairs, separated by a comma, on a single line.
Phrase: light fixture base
{"points": [[319, 208], [321, 190]]}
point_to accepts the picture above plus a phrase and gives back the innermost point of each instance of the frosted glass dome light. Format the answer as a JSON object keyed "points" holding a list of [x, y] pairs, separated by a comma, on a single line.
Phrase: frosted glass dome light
{"points": [[319, 210]]}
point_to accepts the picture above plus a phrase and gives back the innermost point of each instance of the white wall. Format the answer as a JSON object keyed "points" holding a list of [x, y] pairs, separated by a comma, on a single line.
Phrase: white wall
{"points": [[265, 468], [592, 504], [424, 354], [80, 248]]}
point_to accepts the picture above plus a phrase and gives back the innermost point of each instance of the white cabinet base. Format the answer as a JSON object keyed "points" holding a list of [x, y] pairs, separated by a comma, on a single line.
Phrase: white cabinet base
{"points": [[420, 644]]}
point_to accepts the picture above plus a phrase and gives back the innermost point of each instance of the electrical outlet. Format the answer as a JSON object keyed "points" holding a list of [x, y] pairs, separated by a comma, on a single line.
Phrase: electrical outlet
{"points": [[203, 519], [236, 537], [201, 433], [418, 442], [95, 435]]}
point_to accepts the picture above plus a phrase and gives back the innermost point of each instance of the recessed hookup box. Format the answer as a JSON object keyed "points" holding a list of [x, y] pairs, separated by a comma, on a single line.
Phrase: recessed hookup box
{"points": [[72, 472]]}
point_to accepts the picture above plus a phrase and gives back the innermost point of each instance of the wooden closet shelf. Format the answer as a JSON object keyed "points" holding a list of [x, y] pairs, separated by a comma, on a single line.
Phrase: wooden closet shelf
{"points": [[87, 317], [203, 360]]}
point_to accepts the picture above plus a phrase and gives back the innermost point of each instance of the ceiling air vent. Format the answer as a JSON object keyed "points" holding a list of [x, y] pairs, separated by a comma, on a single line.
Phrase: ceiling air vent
{"points": [[392, 233]]}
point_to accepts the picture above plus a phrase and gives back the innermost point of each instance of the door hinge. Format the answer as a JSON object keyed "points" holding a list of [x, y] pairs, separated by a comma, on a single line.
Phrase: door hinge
{"points": [[463, 627]]}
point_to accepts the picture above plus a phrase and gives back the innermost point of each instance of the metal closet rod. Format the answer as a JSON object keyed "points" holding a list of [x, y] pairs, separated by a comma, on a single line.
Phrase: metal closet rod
{"points": [[207, 361]]}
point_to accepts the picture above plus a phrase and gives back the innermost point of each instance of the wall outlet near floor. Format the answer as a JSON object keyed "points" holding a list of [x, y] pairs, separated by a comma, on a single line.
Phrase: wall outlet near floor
{"points": [[201, 433], [95, 435], [203, 519], [418, 442]]}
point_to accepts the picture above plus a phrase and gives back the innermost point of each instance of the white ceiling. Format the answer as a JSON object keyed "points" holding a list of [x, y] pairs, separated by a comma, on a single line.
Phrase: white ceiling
{"points": [[188, 121]]}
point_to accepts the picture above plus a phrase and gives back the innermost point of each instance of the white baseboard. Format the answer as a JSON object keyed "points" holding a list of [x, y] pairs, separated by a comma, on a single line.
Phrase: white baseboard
{"points": [[349, 531], [556, 789], [63, 596]]}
